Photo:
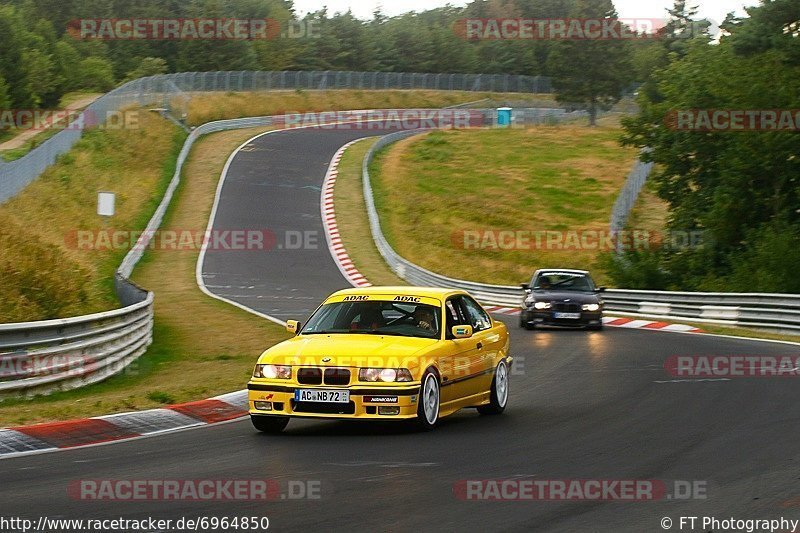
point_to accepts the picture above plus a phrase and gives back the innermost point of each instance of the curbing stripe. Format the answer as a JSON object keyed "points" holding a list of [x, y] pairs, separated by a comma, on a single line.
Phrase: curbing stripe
{"points": [[332, 236], [74, 433], [616, 322], [54, 436]]}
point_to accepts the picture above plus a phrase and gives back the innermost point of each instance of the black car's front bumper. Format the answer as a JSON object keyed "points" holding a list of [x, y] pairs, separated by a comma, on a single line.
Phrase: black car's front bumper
{"points": [[547, 317]]}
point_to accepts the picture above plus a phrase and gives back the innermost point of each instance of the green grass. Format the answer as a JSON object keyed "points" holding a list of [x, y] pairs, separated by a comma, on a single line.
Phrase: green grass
{"points": [[44, 274], [429, 190]]}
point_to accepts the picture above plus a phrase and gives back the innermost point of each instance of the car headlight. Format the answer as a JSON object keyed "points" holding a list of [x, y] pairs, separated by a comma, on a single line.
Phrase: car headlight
{"points": [[387, 375], [542, 305], [591, 307], [273, 372]]}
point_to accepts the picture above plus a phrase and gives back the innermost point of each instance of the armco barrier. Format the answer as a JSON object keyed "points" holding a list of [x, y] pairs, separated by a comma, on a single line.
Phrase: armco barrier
{"points": [[39, 357], [776, 312]]}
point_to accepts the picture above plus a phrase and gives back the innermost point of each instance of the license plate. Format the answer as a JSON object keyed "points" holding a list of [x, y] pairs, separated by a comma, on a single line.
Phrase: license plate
{"points": [[573, 316], [321, 396]]}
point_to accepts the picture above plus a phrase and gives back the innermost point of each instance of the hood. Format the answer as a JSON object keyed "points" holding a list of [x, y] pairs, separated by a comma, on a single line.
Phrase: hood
{"points": [[348, 349], [560, 296]]}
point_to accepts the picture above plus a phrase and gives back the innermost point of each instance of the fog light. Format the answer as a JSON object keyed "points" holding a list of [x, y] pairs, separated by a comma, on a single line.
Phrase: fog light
{"points": [[263, 406], [389, 410]]}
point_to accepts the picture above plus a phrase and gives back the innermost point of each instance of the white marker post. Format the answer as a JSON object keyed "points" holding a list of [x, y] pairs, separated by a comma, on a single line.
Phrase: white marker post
{"points": [[106, 204]]}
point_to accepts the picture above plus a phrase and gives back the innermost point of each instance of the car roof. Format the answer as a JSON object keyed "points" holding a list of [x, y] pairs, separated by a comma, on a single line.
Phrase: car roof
{"points": [[430, 292], [571, 270]]}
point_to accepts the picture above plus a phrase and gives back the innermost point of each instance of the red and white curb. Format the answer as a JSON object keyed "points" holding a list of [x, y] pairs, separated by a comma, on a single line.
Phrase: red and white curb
{"points": [[52, 436], [335, 244], [630, 323]]}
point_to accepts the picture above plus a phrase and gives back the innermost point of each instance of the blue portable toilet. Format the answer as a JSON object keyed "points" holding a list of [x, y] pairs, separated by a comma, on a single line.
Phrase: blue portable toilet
{"points": [[503, 117]]}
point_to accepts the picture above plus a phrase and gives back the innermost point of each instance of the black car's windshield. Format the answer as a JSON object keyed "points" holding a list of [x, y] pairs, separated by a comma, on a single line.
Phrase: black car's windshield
{"points": [[563, 281], [376, 318]]}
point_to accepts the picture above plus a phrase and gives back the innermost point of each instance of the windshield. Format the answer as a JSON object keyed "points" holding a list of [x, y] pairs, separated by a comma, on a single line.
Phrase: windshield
{"points": [[376, 318], [563, 281]]}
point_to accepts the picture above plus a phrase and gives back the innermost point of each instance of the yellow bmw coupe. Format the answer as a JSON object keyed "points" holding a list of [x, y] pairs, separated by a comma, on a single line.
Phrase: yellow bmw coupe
{"points": [[384, 353]]}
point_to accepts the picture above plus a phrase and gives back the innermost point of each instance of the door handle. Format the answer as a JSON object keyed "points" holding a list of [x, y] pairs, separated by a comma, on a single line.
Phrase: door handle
{"points": [[480, 346]]}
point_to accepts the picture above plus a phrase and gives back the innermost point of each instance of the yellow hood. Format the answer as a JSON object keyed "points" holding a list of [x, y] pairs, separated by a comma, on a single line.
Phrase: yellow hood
{"points": [[348, 350]]}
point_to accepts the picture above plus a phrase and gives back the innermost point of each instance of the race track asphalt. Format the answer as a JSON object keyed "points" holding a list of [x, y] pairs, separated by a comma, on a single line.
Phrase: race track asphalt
{"points": [[584, 405]]}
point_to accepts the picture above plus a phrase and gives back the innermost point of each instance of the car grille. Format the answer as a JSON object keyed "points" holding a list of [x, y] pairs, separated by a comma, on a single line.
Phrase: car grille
{"points": [[324, 408], [309, 376], [314, 376], [564, 307], [337, 376]]}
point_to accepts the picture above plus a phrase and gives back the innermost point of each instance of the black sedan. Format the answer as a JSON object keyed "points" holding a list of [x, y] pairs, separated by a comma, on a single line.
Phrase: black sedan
{"points": [[563, 297]]}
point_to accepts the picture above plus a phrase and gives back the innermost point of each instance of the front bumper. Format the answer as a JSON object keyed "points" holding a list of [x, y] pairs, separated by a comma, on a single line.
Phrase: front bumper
{"points": [[364, 404], [545, 317]]}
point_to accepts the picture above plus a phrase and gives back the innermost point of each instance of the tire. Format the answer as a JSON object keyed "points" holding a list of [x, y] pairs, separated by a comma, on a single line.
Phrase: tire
{"points": [[595, 328], [499, 392], [524, 324], [429, 402], [270, 424]]}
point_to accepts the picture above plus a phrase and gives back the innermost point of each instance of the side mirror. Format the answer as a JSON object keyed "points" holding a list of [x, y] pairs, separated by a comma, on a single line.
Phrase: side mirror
{"points": [[462, 332], [525, 286], [601, 289], [293, 326]]}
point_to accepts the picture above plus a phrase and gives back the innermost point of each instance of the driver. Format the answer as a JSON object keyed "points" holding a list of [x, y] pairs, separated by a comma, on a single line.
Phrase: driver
{"points": [[544, 283], [423, 318]]}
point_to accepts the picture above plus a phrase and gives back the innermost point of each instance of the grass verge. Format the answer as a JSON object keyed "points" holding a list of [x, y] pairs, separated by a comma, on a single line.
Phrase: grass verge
{"points": [[205, 107], [45, 271], [202, 347], [352, 219], [430, 190]]}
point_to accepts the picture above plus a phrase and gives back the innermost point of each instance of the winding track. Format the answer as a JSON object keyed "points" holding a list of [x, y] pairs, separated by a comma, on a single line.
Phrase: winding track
{"points": [[583, 405]]}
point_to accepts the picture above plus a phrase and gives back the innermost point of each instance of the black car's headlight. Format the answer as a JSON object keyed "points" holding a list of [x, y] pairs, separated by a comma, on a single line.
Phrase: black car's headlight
{"points": [[591, 307], [542, 305]]}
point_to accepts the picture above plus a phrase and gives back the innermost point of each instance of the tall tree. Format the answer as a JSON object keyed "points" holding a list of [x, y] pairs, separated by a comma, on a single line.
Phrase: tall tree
{"points": [[591, 73]]}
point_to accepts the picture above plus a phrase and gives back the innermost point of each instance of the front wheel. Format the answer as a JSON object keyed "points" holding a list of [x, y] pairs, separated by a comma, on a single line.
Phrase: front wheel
{"points": [[498, 399], [270, 424], [429, 400], [524, 324]]}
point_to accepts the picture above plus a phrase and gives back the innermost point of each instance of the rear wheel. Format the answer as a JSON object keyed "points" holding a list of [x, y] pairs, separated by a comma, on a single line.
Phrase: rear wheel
{"points": [[270, 424], [429, 400], [499, 393]]}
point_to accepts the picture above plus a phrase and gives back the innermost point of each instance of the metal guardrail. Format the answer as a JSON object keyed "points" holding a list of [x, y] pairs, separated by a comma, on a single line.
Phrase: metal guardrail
{"points": [[40, 357], [776, 312]]}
